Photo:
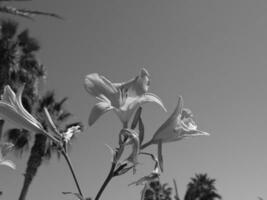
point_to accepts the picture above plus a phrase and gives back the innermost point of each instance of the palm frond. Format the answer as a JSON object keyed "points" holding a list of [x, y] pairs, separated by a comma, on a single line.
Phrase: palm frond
{"points": [[28, 43], [64, 116], [58, 105], [36, 12], [20, 138], [15, 11], [8, 28]]}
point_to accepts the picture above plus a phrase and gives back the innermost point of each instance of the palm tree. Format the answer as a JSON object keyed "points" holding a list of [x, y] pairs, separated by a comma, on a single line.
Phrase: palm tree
{"points": [[24, 12], [154, 190], [18, 65], [18, 61], [201, 187], [43, 147]]}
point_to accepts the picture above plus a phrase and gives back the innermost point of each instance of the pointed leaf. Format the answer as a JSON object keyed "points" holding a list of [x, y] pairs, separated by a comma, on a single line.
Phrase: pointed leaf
{"points": [[141, 130], [193, 133], [22, 110], [160, 157], [150, 97], [136, 117], [36, 12], [123, 170], [145, 179], [14, 11], [98, 110]]}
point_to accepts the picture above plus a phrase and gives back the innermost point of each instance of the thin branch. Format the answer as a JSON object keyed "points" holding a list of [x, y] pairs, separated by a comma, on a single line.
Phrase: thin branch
{"points": [[107, 180], [72, 171]]}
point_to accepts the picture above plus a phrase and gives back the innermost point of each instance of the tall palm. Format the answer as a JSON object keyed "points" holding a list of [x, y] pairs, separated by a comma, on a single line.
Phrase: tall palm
{"points": [[24, 12], [201, 187], [18, 65], [43, 147]]}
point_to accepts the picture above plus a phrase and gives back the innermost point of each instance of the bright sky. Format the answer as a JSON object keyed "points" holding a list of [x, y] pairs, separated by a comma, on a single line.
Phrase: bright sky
{"points": [[211, 52]]}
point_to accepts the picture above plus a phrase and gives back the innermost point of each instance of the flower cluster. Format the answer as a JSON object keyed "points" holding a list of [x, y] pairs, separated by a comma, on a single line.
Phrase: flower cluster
{"points": [[125, 99]]}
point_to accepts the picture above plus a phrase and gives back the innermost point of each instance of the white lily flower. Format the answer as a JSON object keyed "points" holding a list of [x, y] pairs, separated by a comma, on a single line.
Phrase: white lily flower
{"points": [[73, 130], [4, 149], [124, 98], [11, 109], [178, 126]]}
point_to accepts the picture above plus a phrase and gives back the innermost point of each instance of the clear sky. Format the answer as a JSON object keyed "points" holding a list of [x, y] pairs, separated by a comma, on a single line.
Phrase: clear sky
{"points": [[212, 52]]}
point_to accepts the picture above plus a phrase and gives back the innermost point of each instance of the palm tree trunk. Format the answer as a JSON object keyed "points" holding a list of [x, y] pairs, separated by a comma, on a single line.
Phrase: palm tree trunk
{"points": [[34, 162], [4, 74]]}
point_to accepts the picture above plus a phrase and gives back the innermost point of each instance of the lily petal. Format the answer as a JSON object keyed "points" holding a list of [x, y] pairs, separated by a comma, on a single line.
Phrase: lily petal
{"points": [[8, 163], [9, 95], [15, 100], [132, 104], [50, 123], [11, 108], [9, 113], [99, 86], [98, 110], [192, 133], [150, 97], [179, 108], [165, 131], [22, 110], [136, 86]]}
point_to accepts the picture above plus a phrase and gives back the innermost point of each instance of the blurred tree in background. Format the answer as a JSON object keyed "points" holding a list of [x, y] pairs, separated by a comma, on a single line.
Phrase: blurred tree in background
{"points": [[43, 148], [201, 187], [154, 190], [19, 66]]}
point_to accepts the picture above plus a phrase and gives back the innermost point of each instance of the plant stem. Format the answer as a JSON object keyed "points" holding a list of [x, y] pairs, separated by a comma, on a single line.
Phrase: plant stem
{"points": [[72, 171], [107, 180]]}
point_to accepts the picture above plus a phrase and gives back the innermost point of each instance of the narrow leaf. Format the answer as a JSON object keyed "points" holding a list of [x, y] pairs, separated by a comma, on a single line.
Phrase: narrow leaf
{"points": [[141, 130], [136, 117], [50, 122]]}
